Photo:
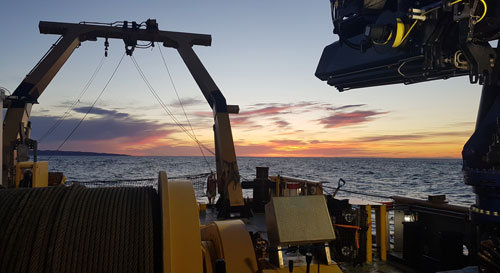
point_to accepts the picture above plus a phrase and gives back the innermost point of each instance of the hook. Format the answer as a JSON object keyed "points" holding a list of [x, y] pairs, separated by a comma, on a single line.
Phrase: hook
{"points": [[106, 45]]}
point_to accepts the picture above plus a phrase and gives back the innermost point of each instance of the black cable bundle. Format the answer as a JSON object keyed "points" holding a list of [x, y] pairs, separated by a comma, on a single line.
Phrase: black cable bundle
{"points": [[79, 229]]}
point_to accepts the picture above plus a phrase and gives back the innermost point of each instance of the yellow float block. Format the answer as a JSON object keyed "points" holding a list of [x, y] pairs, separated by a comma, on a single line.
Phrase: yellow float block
{"points": [[181, 226]]}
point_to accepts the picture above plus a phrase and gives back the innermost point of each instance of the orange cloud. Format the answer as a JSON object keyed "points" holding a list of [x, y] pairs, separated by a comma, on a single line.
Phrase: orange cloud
{"points": [[116, 132]]}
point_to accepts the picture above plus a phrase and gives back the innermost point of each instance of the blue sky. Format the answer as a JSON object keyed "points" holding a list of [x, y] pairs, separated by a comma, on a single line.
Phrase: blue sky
{"points": [[263, 58]]}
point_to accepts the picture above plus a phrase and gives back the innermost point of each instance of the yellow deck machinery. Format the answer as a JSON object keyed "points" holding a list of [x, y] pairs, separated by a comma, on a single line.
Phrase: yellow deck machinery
{"points": [[139, 229]]}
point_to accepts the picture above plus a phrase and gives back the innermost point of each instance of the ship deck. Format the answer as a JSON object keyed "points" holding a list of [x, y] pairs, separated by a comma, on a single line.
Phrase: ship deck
{"points": [[257, 223]]}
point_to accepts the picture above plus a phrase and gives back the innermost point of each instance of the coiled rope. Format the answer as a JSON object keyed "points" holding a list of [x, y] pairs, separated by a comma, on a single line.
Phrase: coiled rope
{"points": [[79, 229]]}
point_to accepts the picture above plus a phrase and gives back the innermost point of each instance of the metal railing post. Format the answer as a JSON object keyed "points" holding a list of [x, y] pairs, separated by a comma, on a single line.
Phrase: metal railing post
{"points": [[369, 257]]}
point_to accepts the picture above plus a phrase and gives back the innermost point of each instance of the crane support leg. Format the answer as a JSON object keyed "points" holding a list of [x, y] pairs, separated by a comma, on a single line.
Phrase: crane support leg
{"points": [[227, 166], [27, 93]]}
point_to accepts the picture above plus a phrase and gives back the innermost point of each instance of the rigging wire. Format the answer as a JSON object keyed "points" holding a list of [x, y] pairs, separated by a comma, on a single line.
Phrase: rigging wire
{"points": [[92, 106], [157, 97], [71, 107], [164, 106], [182, 105]]}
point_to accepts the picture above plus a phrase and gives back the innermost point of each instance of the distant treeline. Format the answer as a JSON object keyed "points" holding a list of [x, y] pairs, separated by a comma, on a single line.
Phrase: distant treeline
{"points": [[74, 153]]}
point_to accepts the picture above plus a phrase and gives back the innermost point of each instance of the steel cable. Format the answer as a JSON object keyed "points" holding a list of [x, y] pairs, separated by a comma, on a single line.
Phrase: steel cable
{"points": [[69, 239], [24, 240], [38, 215], [91, 107], [165, 107], [12, 230], [67, 113], [106, 225], [79, 229], [182, 105], [37, 262]]}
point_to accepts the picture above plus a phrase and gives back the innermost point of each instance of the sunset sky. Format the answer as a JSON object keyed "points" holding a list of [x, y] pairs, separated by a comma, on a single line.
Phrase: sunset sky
{"points": [[263, 58]]}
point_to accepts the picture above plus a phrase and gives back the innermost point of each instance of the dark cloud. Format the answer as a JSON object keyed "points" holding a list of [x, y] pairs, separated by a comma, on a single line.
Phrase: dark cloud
{"points": [[264, 110], [466, 133], [252, 128], [343, 107], [241, 121], [101, 111], [282, 123], [259, 111], [253, 114], [274, 148], [337, 151], [109, 125], [187, 102], [391, 138], [274, 109], [415, 136], [349, 118]]}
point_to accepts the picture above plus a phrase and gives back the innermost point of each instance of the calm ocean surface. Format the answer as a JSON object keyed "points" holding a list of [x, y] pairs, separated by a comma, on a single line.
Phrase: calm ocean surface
{"points": [[386, 177]]}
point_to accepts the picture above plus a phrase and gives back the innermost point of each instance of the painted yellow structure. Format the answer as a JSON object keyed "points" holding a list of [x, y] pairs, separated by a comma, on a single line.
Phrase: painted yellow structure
{"points": [[381, 231], [230, 240], [381, 216], [180, 226], [39, 170]]}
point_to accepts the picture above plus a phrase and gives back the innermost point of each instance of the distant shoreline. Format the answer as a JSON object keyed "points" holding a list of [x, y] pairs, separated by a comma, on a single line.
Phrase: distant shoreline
{"points": [[75, 153], [79, 153]]}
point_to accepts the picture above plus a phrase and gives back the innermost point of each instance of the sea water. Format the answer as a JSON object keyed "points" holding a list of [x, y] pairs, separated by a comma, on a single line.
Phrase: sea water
{"points": [[387, 177]]}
